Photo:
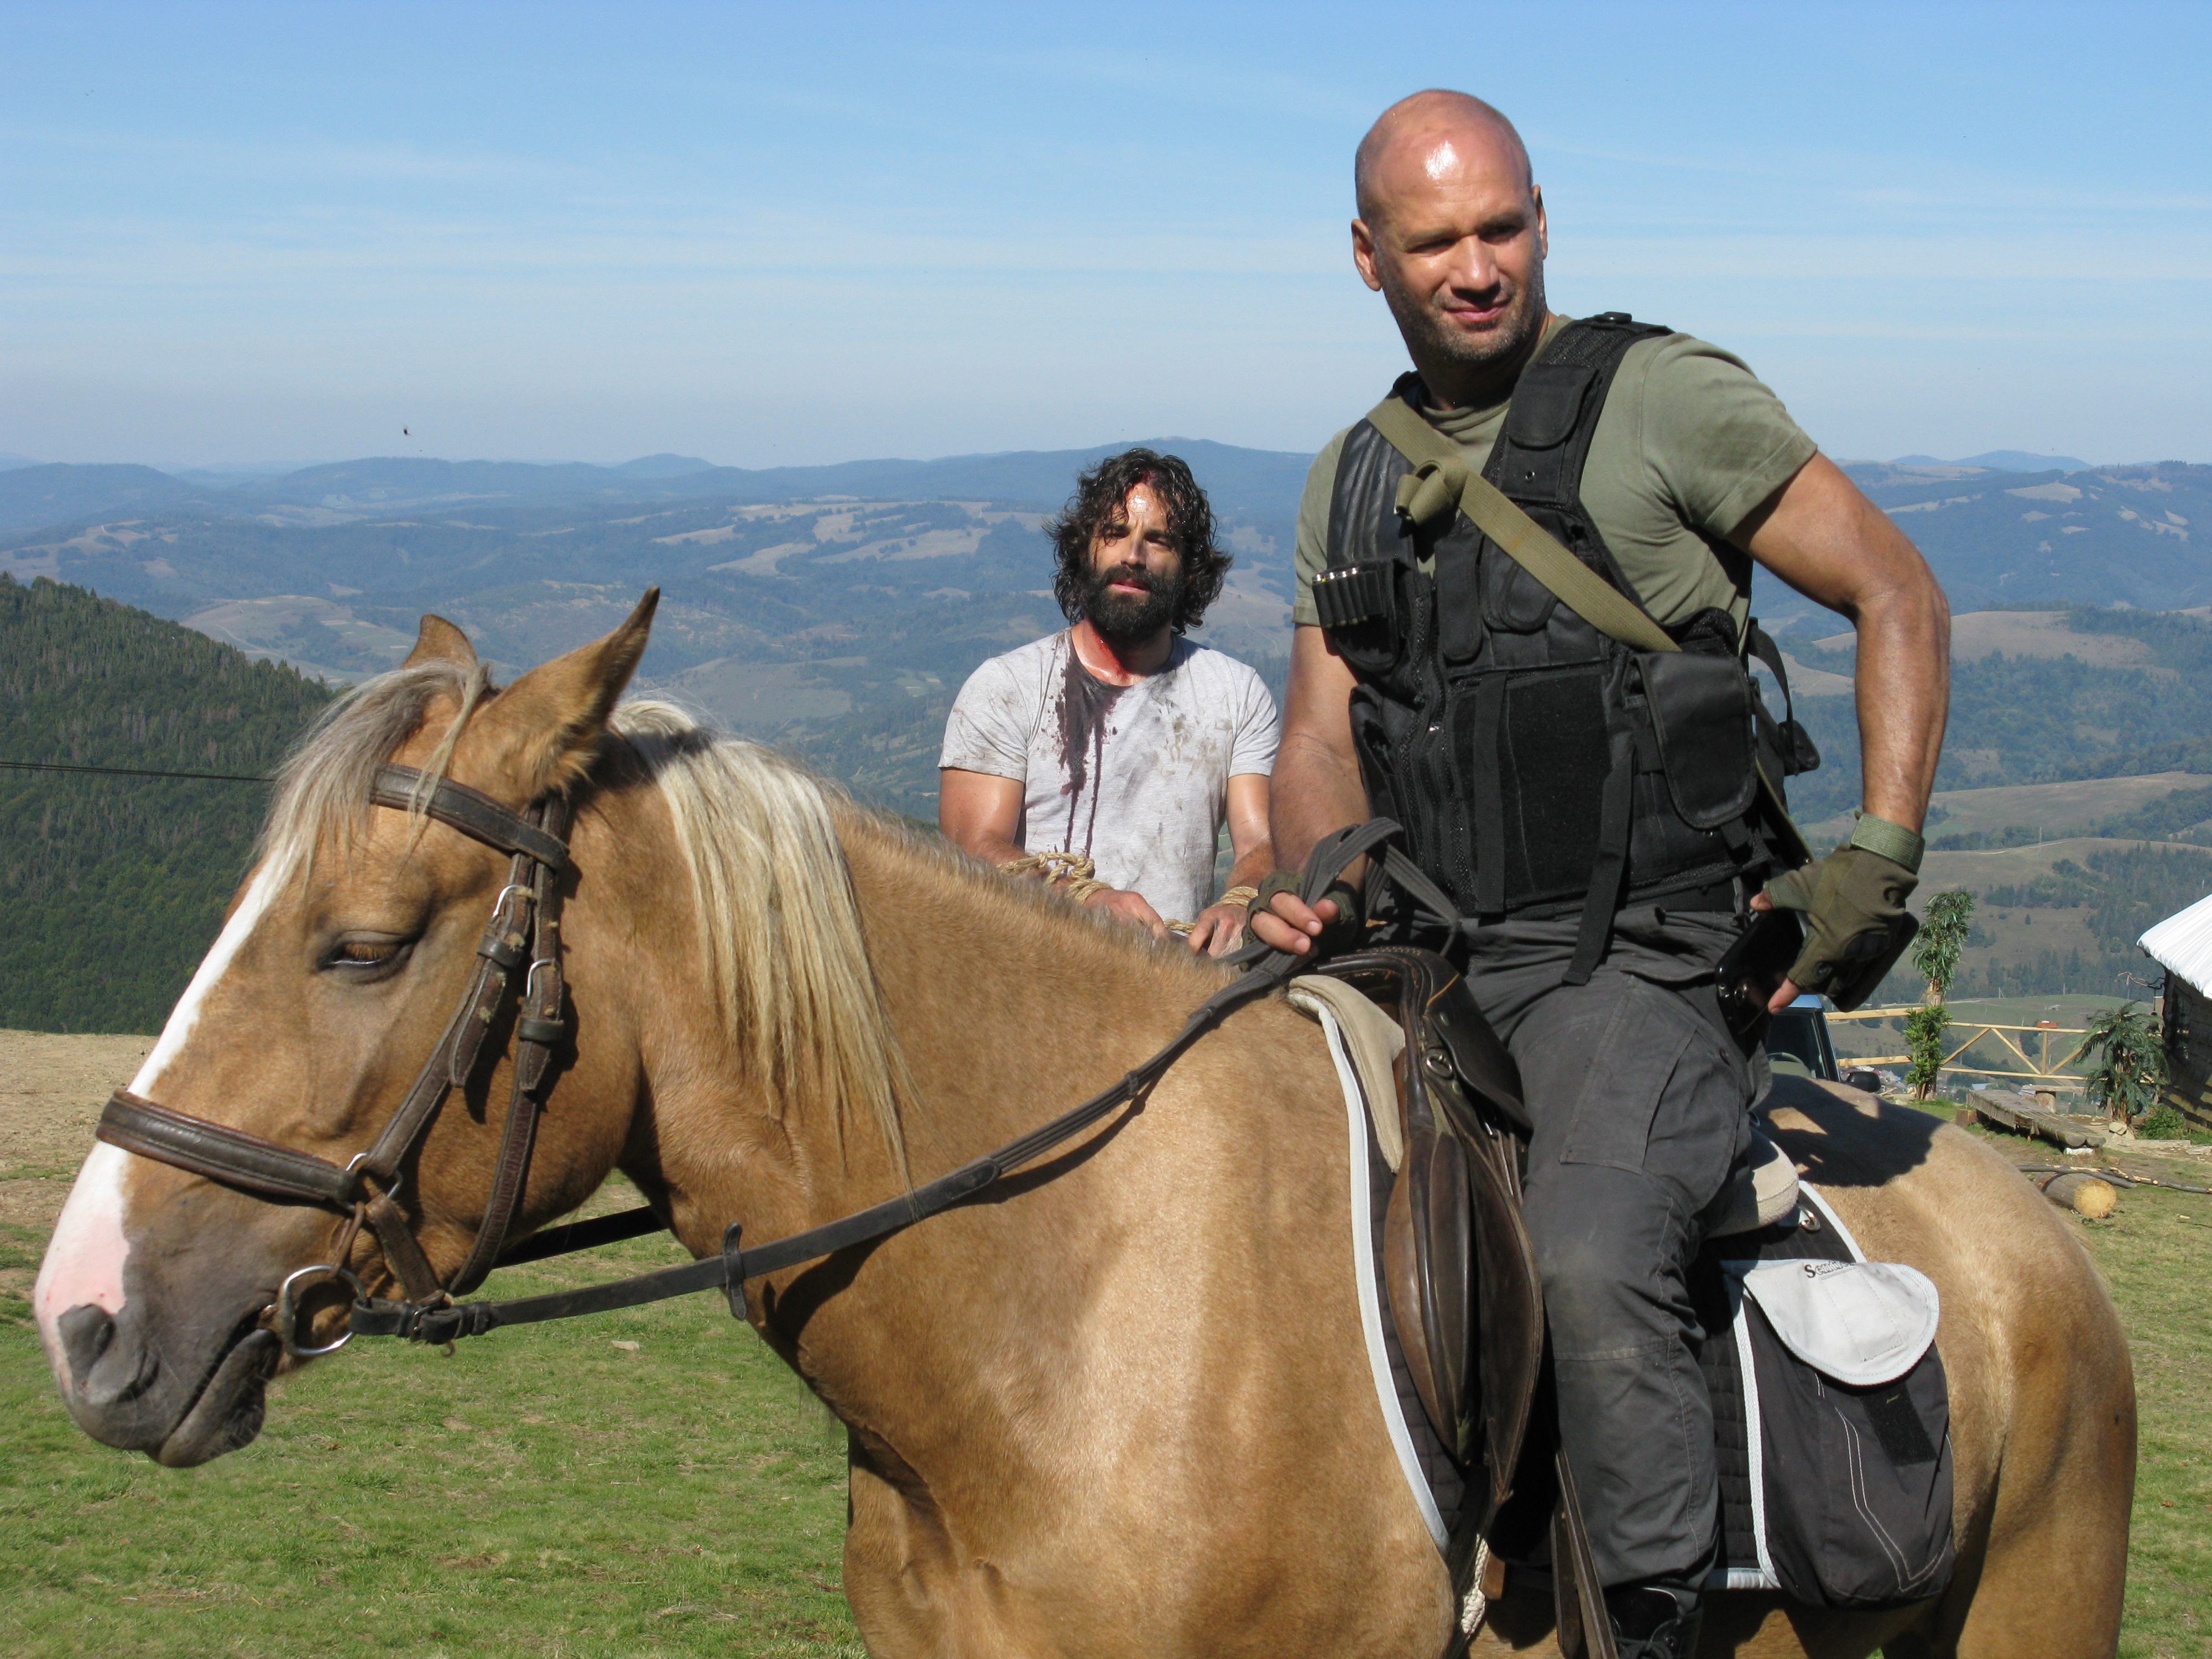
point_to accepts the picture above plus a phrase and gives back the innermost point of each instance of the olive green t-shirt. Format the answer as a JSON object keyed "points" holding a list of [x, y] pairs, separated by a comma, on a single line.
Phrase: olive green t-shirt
{"points": [[1689, 443]]}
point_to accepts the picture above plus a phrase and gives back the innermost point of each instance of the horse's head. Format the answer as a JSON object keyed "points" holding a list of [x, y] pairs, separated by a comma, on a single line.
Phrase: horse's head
{"points": [[341, 963]]}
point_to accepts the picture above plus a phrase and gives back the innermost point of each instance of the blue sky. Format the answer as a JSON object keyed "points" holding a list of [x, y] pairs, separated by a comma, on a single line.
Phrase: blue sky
{"points": [[787, 233]]}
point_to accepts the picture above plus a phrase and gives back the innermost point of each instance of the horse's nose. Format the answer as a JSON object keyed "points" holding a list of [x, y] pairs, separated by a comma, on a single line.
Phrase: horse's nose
{"points": [[105, 1373]]}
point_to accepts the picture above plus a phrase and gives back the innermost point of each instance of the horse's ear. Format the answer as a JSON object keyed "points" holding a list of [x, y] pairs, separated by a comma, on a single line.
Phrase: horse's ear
{"points": [[538, 733], [441, 641]]}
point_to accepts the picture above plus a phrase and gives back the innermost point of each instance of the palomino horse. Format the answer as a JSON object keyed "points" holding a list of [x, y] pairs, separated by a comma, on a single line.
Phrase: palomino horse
{"points": [[1123, 1408]]}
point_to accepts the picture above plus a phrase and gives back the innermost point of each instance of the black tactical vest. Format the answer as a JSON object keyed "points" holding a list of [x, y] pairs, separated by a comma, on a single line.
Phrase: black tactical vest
{"points": [[1539, 768]]}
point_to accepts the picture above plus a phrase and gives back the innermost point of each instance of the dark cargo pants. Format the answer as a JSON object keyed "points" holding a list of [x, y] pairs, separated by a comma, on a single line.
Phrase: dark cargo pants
{"points": [[1641, 1107]]}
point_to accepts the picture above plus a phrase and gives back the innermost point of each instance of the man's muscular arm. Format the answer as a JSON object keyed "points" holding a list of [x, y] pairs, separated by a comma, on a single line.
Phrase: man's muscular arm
{"points": [[1826, 540], [1317, 787], [979, 812], [1833, 545]]}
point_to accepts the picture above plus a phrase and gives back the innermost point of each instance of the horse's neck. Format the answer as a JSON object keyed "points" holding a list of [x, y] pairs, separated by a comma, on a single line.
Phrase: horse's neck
{"points": [[1010, 1006]]}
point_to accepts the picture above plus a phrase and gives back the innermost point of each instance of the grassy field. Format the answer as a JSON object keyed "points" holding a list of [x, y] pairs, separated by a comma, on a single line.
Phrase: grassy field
{"points": [[654, 1483], [2152, 1253], [641, 1484]]}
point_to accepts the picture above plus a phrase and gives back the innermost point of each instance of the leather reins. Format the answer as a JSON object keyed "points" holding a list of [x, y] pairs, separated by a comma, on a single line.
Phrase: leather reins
{"points": [[528, 914]]}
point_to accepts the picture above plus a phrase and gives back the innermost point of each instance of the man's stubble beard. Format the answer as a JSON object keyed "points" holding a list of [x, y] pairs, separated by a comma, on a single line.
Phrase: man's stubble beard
{"points": [[1120, 620], [1432, 343]]}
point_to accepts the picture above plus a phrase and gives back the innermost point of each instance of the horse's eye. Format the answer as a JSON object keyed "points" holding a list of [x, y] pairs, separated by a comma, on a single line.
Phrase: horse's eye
{"points": [[361, 958]]}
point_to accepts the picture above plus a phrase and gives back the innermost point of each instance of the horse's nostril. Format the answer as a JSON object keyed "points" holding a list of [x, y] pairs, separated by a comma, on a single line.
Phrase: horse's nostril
{"points": [[103, 1370], [85, 1331]]}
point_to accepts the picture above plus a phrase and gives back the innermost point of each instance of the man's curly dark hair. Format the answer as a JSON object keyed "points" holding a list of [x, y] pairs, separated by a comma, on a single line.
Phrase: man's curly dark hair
{"points": [[1099, 495]]}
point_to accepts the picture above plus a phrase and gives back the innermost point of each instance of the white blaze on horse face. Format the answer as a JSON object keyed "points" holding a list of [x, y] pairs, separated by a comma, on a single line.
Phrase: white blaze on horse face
{"points": [[84, 1260]]}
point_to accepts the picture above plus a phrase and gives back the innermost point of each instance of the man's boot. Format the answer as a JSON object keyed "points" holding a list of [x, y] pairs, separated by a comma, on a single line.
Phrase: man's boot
{"points": [[1651, 1622]]}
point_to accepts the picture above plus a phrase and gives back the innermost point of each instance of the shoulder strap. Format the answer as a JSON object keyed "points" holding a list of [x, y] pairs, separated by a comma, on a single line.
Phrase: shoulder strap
{"points": [[1441, 479]]}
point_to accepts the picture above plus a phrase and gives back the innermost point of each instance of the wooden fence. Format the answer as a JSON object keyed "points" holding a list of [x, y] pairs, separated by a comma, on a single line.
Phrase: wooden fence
{"points": [[2038, 1067]]}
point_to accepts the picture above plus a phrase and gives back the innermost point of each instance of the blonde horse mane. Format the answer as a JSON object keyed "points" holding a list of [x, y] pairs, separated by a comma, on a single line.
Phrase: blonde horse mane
{"points": [[778, 926], [779, 929]]}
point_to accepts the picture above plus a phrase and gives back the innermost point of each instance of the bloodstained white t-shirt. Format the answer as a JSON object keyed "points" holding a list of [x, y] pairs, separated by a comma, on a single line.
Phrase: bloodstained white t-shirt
{"points": [[1135, 778]]}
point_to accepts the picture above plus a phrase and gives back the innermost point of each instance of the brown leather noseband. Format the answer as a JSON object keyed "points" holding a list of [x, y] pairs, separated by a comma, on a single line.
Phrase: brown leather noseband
{"points": [[520, 953]]}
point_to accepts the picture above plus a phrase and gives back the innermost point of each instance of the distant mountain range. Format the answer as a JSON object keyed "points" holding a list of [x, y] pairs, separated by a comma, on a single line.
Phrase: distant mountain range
{"points": [[2113, 535], [40, 495], [831, 607], [839, 607], [2003, 460]]}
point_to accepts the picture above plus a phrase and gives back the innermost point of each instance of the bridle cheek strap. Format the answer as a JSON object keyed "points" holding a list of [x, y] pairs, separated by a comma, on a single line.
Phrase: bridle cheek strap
{"points": [[516, 946]]}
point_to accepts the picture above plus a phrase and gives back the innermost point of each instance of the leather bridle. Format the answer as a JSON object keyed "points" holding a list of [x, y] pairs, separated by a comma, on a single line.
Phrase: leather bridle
{"points": [[520, 954], [523, 941]]}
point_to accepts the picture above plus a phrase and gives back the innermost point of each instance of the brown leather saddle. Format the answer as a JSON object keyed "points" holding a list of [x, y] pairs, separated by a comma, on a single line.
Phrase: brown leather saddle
{"points": [[1460, 1275]]}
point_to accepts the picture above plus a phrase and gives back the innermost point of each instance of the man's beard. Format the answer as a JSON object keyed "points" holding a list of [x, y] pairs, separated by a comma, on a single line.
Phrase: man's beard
{"points": [[1129, 618], [1431, 339]]}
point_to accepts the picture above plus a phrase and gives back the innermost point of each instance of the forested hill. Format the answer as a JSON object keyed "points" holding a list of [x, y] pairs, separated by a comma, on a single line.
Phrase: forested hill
{"points": [[111, 888]]}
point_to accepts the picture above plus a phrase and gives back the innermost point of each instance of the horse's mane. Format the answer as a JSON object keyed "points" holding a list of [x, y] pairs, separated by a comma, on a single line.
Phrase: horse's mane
{"points": [[779, 931], [779, 927]]}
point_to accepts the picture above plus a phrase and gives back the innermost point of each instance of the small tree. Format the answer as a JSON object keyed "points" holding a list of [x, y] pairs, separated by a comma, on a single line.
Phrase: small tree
{"points": [[2127, 1062], [1936, 950], [1923, 1042]]}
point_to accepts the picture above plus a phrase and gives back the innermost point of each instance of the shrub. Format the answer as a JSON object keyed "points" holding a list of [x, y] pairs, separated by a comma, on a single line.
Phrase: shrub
{"points": [[2127, 1065], [1924, 1040], [2162, 1122]]}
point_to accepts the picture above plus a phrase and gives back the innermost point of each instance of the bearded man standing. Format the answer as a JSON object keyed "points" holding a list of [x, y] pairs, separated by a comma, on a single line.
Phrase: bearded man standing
{"points": [[1118, 740], [1580, 772]]}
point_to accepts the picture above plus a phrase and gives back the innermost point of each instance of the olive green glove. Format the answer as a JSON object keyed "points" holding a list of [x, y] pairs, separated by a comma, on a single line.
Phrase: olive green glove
{"points": [[1341, 934], [1856, 922]]}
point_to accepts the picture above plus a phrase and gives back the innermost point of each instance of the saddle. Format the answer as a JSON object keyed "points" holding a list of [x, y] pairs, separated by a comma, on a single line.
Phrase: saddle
{"points": [[1460, 1273]]}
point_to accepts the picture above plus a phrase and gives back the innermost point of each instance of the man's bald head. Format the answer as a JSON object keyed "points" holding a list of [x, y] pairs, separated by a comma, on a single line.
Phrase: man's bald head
{"points": [[1406, 139], [1451, 232]]}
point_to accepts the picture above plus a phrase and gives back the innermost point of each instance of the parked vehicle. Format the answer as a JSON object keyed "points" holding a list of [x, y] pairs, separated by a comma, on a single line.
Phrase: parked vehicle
{"points": [[1797, 1041]]}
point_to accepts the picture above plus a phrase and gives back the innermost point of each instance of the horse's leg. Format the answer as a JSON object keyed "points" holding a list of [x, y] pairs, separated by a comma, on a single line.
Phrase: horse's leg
{"points": [[2043, 1415], [2054, 1562], [898, 1571]]}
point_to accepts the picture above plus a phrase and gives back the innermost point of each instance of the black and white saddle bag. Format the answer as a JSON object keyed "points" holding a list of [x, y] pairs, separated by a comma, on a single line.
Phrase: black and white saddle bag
{"points": [[1833, 1418]]}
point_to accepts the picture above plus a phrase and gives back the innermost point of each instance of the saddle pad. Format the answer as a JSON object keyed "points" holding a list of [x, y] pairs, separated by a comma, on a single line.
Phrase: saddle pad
{"points": [[1372, 1041], [1725, 1358]]}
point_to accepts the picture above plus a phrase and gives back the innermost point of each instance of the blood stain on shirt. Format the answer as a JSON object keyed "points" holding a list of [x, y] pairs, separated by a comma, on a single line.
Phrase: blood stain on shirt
{"points": [[1086, 704]]}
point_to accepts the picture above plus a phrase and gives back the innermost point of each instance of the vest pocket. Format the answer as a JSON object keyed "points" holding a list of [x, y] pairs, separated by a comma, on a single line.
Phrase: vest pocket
{"points": [[1701, 713], [1554, 756], [1361, 608], [1514, 601]]}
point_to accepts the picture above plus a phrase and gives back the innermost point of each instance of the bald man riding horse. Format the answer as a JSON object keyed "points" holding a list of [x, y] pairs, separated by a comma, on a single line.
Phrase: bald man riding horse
{"points": [[1588, 791]]}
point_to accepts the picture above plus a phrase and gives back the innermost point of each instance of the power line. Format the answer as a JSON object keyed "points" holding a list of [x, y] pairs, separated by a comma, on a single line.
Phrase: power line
{"points": [[133, 772]]}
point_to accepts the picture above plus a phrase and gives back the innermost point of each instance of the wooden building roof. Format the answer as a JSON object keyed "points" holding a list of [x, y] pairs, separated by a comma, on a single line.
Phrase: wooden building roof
{"points": [[2182, 945]]}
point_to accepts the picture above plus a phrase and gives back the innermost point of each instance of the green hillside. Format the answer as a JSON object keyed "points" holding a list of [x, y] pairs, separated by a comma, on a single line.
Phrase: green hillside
{"points": [[111, 888], [2017, 719]]}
